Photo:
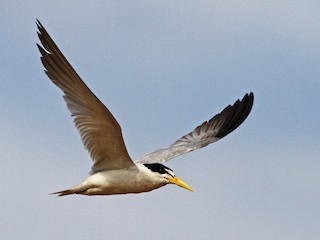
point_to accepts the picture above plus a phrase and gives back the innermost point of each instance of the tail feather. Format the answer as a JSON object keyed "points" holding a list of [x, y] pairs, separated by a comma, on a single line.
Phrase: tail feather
{"points": [[79, 189], [65, 192]]}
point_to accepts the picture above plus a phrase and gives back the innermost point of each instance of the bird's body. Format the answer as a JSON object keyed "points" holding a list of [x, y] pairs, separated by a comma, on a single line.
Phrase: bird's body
{"points": [[136, 179], [113, 171]]}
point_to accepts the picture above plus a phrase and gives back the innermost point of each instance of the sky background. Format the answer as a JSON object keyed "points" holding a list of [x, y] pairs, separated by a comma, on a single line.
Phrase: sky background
{"points": [[162, 68]]}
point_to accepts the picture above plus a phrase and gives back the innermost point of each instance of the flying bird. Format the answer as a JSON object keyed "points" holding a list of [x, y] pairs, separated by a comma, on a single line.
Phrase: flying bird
{"points": [[113, 171]]}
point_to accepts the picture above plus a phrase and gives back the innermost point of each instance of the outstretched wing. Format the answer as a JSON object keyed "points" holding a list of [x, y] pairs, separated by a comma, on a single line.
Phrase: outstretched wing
{"points": [[208, 132], [99, 130]]}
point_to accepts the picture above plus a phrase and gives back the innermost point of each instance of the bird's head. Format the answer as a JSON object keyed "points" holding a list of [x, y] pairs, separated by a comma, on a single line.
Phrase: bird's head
{"points": [[167, 174]]}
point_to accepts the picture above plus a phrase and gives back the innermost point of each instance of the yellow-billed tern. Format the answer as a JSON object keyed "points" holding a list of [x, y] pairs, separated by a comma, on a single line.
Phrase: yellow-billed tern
{"points": [[113, 171]]}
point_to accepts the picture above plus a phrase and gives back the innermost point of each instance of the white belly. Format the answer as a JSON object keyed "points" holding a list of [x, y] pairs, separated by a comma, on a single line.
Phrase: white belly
{"points": [[120, 182]]}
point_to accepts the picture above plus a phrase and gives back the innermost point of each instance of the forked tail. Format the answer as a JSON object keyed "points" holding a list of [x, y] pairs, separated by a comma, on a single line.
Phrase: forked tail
{"points": [[65, 192], [80, 189]]}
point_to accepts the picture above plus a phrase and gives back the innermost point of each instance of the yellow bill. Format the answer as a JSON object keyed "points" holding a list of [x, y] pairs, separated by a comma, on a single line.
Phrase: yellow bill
{"points": [[179, 182]]}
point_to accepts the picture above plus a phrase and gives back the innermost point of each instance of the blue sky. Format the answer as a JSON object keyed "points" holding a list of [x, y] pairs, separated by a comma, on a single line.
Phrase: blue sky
{"points": [[162, 68]]}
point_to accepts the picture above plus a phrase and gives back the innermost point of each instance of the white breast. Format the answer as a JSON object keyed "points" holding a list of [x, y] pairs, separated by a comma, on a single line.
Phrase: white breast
{"points": [[134, 180]]}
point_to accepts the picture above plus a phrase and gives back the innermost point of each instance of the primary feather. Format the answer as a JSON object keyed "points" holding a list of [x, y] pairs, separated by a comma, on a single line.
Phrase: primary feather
{"points": [[99, 130], [208, 132]]}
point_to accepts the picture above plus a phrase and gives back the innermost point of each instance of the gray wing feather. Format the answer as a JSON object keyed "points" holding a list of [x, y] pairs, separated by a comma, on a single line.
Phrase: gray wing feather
{"points": [[208, 132], [100, 132]]}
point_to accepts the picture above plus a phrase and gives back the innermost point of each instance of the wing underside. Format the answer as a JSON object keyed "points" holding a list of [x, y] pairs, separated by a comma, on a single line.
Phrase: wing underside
{"points": [[100, 132], [208, 132]]}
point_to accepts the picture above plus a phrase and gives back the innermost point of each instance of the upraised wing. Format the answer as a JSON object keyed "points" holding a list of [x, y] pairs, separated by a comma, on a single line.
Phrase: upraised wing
{"points": [[208, 132], [99, 130]]}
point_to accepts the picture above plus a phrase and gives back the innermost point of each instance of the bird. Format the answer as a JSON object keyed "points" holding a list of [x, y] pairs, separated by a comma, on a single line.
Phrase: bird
{"points": [[113, 171]]}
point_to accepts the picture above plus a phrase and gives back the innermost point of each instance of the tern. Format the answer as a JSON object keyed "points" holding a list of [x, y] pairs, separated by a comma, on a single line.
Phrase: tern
{"points": [[113, 171]]}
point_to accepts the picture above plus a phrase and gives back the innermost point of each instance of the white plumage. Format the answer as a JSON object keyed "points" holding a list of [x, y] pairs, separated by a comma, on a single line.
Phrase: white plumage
{"points": [[113, 171], [132, 180]]}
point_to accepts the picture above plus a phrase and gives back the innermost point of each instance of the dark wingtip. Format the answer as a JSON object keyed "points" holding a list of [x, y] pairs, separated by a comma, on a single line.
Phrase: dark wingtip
{"points": [[236, 114], [39, 25], [41, 30], [251, 96]]}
